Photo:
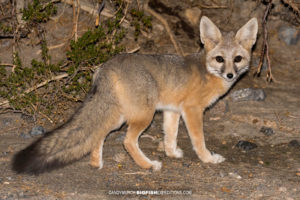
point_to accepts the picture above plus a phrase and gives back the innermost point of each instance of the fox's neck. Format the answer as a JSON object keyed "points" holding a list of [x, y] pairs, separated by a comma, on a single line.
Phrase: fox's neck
{"points": [[220, 85]]}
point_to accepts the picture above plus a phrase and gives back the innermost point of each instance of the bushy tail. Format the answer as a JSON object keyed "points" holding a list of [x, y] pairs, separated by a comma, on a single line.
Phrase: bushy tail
{"points": [[69, 142]]}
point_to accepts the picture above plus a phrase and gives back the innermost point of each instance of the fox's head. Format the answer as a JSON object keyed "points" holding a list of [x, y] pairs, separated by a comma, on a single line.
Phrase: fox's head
{"points": [[228, 55]]}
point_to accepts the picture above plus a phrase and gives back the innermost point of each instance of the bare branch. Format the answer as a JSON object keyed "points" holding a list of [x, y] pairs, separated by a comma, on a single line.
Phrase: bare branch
{"points": [[166, 25], [294, 7], [265, 46]]}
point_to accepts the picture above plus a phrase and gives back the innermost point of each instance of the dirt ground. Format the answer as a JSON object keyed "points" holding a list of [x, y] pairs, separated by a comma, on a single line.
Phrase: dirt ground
{"points": [[269, 171]]}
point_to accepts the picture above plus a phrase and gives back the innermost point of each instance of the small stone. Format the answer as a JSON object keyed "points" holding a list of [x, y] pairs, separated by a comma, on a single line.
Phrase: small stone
{"points": [[119, 157], [289, 198], [184, 164], [158, 29], [267, 131], [234, 175], [7, 121], [289, 35], [282, 189], [222, 174], [225, 189], [245, 145], [25, 136], [21, 194], [248, 94], [294, 143], [37, 130]]}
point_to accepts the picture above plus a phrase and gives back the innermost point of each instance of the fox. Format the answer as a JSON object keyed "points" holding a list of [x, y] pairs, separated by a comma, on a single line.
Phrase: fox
{"points": [[130, 88]]}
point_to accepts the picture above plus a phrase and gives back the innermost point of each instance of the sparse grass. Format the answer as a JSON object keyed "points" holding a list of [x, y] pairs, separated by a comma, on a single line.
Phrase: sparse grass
{"points": [[37, 12], [5, 28], [140, 22]]}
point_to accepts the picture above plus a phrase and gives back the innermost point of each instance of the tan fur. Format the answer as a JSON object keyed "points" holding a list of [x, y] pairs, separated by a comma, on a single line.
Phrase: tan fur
{"points": [[131, 87]]}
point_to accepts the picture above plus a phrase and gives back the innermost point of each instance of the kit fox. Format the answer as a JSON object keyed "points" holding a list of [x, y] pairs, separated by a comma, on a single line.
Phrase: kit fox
{"points": [[131, 87]]}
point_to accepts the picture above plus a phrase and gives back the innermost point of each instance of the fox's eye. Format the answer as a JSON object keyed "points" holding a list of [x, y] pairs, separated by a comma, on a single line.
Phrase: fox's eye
{"points": [[237, 59], [219, 59]]}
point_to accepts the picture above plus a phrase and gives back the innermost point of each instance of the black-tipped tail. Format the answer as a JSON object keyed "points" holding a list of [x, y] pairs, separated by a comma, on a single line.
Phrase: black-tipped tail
{"points": [[31, 161]]}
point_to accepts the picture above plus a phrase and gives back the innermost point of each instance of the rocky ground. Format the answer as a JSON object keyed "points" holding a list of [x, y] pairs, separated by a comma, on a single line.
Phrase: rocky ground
{"points": [[257, 130]]}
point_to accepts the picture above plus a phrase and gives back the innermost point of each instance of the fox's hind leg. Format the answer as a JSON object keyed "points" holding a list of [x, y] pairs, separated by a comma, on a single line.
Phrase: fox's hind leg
{"points": [[135, 128], [96, 155], [171, 122]]}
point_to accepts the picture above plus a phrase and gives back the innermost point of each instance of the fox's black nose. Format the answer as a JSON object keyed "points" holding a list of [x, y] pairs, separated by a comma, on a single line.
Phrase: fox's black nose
{"points": [[229, 75]]}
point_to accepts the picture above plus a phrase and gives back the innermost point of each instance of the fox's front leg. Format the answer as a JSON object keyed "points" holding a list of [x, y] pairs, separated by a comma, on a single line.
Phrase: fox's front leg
{"points": [[171, 121], [193, 117]]}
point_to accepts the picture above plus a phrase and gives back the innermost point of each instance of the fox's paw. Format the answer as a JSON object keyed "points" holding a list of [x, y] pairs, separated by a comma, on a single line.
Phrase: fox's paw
{"points": [[96, 165], [177, 153], [216, 158], [156, 165], [211, 157], [100, 165]]}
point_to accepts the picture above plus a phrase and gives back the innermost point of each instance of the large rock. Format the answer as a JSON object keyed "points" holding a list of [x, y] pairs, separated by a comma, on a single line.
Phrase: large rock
{"points": [[289, 35], [248, 94]]}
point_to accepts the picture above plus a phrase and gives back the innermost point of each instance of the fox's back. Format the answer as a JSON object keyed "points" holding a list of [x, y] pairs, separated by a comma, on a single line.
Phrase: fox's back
{"points": [[140, 70], [151, 78]]}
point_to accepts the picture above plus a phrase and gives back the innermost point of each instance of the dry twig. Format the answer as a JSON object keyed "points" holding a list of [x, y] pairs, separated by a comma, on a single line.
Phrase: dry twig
{"points": [[166, 25], [85, 6], [134, 50], [14, 34], [265, 46], [100, 8], [44, 115], [76, 11], [121, 21], [7, 64], [294, 7], [140, 173], [212, 6], [52, 47]]}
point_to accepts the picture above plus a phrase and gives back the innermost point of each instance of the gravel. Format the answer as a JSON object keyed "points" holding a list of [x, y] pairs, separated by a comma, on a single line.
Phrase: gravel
{"points": [[248, 94], [245, 145], [267, 131]]}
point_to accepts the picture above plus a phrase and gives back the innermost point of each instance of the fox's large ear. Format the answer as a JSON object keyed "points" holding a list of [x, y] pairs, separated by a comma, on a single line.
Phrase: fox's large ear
{"points": [[210, 34], [246, 36]]}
